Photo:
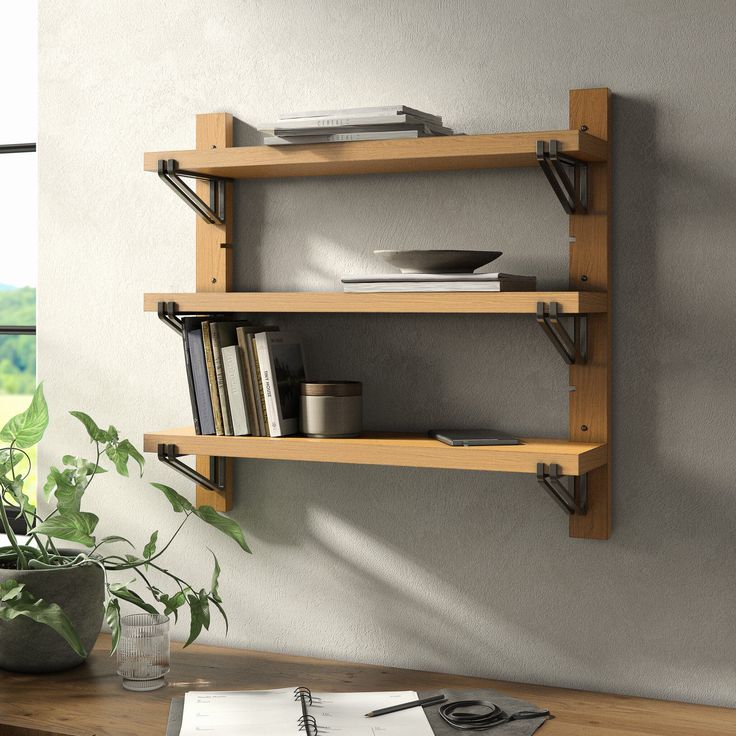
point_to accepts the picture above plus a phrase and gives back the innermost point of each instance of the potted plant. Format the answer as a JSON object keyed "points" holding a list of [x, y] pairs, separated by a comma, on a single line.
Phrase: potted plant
{"points": [[53, 598]]}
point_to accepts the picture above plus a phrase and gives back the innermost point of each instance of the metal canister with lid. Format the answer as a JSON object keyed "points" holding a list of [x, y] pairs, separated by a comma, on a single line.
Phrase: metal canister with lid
{"points": [[331, 408]]}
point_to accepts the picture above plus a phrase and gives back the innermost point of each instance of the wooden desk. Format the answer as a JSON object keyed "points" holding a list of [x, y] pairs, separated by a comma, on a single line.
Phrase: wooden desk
{"points": [[90, 701]]}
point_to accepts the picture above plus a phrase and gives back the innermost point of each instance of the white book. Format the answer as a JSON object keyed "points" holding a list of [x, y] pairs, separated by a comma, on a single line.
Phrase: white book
{"points": [[437, 277], [303, 140], [353, 112], [281, 365], [436, 286], [232, 368], [307, 127]]}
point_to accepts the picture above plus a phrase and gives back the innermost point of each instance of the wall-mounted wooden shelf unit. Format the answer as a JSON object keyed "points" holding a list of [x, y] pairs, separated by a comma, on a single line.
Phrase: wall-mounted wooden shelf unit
{"points": [[514, 302], [582, 150], [402, 450], [452, 153]]}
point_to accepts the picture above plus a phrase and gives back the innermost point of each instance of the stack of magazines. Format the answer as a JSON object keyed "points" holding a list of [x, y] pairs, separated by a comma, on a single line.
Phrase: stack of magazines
{"points": [[353, 124], [431, 282]]}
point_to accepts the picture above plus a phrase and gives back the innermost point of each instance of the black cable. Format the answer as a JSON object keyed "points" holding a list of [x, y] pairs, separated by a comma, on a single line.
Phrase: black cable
{"points": [[490, 715]]}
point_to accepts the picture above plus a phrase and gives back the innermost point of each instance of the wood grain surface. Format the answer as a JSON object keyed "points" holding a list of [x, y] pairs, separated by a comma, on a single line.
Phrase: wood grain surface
{"points": [[444, 153], [402, 450], [513, 302], [90, 700], [214, 267], [590, 269]]}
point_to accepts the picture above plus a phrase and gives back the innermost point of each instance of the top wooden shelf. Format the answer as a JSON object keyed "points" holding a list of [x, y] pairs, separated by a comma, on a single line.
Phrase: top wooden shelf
{"points": [[500, 150]]}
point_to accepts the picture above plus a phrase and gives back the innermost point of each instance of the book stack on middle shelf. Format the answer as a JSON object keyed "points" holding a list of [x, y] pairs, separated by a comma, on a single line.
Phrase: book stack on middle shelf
{"points": [[243, 378], [352, 124], [438, 282]]}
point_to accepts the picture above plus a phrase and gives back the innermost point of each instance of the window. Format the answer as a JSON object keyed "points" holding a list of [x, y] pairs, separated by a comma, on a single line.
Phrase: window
{"points": [[18, 205]]}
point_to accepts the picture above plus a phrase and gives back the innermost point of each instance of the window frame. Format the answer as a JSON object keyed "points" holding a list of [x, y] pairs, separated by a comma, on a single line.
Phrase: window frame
{"points": [[18, 523]]}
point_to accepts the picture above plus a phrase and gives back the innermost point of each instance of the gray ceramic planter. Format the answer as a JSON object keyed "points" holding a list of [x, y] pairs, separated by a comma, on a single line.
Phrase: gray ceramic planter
{"points": [[27, 646]]}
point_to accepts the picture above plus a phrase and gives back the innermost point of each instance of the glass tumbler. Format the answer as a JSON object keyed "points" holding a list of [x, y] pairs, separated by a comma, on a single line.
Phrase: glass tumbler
{"points": [[143, 651]]}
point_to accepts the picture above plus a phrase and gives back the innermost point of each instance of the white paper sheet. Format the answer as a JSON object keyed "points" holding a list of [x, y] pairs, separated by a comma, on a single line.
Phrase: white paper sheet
{"points": [[276, 713]]}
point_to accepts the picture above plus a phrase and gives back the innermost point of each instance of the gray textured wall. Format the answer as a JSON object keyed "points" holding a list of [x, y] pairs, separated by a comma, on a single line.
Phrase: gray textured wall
{"points": [[454, 571]]}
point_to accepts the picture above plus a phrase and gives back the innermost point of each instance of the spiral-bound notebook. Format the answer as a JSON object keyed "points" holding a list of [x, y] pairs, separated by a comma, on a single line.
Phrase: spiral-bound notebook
{"points": [[291, 712], [288, 712]]}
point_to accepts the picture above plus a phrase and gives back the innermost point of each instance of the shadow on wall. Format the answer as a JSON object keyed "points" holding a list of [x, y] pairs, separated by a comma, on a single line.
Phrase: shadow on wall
{"points": [[475, 570]]}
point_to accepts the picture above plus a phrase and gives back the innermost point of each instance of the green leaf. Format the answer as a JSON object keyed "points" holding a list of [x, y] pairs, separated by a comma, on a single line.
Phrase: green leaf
{"points": [[24, 603], [218, 605], [10, 589], [177, 501], [5, 461], [61, 484], [112, 616], [96, 434], [225, 524], [214, 592], [114, 538], [27, 428], [119, 457], [12, 460], [198, 618], [172, 603], [73, 526], [87, 466], [150, 549], [204, 603], [119, 590], [133, 452]]}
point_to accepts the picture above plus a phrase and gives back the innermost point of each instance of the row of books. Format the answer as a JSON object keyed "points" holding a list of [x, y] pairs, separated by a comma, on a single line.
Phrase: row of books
{"points": [[437, 282], [352, 124], [244, 379]]}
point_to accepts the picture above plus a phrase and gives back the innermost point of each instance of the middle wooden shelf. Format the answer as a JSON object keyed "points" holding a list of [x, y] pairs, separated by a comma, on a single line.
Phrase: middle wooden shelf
{"points": [[510, 302], [402, 450]]}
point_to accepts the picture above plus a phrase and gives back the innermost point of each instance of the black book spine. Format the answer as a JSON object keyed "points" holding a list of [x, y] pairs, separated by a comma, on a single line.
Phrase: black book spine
{"points": [[199, 380], [190, 377]]}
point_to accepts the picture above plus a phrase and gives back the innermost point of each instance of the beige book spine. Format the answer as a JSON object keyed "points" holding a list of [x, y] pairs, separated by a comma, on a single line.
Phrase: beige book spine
{"points": [[250, 397], [212, 378], [261, 395]]}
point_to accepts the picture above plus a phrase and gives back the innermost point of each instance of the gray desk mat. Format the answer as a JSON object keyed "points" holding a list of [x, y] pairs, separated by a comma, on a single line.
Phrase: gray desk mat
{"points": [[509, 704], [505, 702]]}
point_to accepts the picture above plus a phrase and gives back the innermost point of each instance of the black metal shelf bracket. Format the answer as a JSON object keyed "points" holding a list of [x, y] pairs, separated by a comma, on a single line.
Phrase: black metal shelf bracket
{"points": [[572, 192], [214, 212], [574, 498], [169, 455], [168, 315], [573, 348]]}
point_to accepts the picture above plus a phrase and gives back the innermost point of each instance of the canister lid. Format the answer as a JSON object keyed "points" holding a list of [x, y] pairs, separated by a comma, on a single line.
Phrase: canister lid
{"points": [[331, 388]]}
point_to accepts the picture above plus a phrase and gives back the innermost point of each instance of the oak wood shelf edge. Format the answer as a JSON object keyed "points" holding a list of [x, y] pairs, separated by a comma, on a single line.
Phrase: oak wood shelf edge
{"points": [[446, 153], [513, 302], [391, 449]]}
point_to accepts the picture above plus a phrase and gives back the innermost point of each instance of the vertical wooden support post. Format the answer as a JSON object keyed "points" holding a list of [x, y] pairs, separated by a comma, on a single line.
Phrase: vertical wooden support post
{"points": [[590, 270], [214, 268]]}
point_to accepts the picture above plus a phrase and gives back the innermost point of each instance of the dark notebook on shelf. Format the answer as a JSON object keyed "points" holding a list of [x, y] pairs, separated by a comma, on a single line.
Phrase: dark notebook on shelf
{"points": [[473, 437], [199, 387]]}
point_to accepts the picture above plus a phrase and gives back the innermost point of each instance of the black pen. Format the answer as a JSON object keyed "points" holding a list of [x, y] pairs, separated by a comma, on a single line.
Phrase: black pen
{"points": [[434, 700]]}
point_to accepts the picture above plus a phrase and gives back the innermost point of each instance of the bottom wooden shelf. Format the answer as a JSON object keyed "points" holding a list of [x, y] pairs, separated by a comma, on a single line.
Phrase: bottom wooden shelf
{"points": [[402, 450]]}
